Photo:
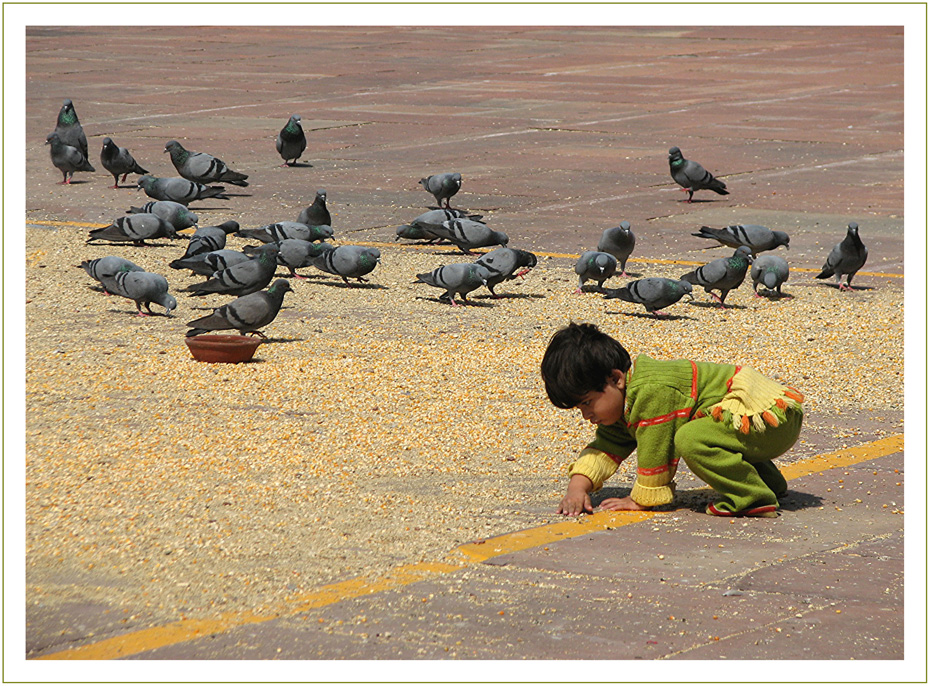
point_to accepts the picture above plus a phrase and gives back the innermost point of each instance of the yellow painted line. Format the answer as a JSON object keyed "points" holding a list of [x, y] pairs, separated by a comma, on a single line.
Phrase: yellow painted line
{"points": [[453, 249], [460, 557]]}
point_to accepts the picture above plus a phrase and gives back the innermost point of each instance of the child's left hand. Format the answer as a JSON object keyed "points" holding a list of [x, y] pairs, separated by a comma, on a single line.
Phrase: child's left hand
{"points": [[621, 504]]}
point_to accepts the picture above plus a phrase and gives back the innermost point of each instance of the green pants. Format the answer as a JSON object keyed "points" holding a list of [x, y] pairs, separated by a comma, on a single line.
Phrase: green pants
{"points": [[738, 466]]}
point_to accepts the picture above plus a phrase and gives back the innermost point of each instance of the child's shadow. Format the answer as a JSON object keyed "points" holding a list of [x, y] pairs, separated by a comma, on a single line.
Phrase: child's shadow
{"points": [[697, 499]]}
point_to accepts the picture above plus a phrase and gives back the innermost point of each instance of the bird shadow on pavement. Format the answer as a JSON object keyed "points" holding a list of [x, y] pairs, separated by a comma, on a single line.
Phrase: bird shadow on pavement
{"points": [[646, 315], [282, 339], [295, 165], [715, 305], [468, 303], [511, 296], [360, 286], [837, 288]]}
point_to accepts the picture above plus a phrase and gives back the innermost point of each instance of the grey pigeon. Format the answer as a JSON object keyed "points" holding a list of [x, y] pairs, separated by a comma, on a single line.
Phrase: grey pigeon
{"points": [[619, 242], [291, 141], [723, 274], [200, 167], [66, 158], [593, 265], [505, 264], [272, 233], [847, 257], [118, 161], [420, 227], [294, 254], [770, 271], [209, 263], [691, 176], [176, 214], [208, 239], [69, 129], [144, 288], [316, 214], [756, 238], [134, 228], [461, 278], [653, 293], [178, 190], [442, 186], [243, 278], [467, 234], [104, 269], [246, 314], [347, 261]]}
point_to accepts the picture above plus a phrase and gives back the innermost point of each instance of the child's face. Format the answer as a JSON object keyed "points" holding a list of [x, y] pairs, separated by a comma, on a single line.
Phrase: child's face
{"points": [[606, 406]]}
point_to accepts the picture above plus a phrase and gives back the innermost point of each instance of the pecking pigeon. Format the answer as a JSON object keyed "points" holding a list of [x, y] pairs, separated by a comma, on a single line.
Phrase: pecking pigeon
{"points": [[456, 278], [291, 141], [117, 161], [272, 233], [316, 214], [503, 265], [134, 228], [294, 253], [69, 129], [723, 274], [209, 239], [104, 269], [209, 263], [756, 238], [179, 190], [653, 293], [691, 176], [246, 314], [619, 242], [347, 261], [176, 214], [243, 278], [442, 186], [420, 227], [200, 167], [847, 257], [66, 158], [769, 271], [594, 266], [144, 288], [467, 234]]}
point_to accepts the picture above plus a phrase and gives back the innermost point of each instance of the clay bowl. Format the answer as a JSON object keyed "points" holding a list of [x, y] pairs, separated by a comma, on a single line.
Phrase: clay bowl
{"points": [[222, 347]]}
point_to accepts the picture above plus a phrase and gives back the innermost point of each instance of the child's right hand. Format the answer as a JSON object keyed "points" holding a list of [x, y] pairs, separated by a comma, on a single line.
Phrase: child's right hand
{"points": [[577, 498]]}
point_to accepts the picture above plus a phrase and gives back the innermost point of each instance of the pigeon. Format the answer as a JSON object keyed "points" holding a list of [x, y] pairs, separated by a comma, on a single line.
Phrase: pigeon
{"points": [[619, 242], [847, 257], [653, 293], [209, 263], [272, 233], [595, 266], [179, 190], [66, 158], [104, 269], [144, 288], [503, 263], [461, 278], [243, 278], [134, 228], [723, 274], [69, 129], [416, 233], [294, 253], [419, 228], [691, 176], [770, 271], [172, 212], [247, 314], [467, 234], [756, 238], [316, 214], [347, 261], [200, 167], [442, 186], [291, 141], [208, 239], [117, 160]]}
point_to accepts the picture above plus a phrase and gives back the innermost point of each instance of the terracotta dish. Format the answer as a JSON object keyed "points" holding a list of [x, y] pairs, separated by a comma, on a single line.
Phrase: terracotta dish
{"points": [[222, 347]]}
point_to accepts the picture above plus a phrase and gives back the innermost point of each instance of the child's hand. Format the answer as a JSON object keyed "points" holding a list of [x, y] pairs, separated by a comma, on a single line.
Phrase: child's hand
{"points": [[577, 498], [622, 504]]}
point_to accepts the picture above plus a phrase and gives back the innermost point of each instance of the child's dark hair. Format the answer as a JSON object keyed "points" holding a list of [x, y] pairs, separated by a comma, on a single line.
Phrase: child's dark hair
{"points": [[579, 359]]}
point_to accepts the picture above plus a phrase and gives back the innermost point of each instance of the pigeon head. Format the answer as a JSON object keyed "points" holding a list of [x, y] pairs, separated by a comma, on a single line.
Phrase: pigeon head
{"points": [[281, 286], [144, 180], [625, 225], [781, 238], [674, 152], [67, 116], [107, 142], [52, 139], [853, 228], [169, 302], [687, 288]]}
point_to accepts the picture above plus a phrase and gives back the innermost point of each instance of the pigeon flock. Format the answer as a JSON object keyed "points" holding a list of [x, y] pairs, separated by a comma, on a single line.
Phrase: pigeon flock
{"points": [[247, 276]]}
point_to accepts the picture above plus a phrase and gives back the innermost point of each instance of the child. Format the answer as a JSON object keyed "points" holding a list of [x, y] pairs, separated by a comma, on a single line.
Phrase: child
{"points": [[727, 422]]}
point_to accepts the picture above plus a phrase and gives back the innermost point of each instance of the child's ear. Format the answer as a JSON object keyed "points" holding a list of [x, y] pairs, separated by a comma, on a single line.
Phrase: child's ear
{"points": [[617, 377]]}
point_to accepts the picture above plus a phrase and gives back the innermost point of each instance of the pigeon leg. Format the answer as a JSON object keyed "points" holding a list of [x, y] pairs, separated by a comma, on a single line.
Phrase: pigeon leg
{"points": [[256, 333], [140, 313], [124, 177]]}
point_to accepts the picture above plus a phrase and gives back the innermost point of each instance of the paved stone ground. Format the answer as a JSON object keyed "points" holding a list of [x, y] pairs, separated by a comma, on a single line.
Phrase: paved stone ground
{"points": [[558, 134]]}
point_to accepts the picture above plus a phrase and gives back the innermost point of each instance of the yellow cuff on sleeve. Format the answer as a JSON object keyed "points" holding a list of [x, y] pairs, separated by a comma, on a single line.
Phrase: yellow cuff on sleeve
{"points": [[651, 496], [594, 464]]}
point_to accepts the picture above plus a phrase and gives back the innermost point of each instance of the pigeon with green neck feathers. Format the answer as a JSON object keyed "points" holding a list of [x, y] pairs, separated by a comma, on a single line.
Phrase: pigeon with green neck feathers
{"points": [[176, 214], [593, 265], [619, 242], [179, 190], [243, 278], [201, 167], [723, 274], [291, 141], [66, 158], [246, 314], [118, 161], [347, 261], [69, 129], [461, 278], [654, 293], [691, 176], [847, 257], [769, 271]]}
